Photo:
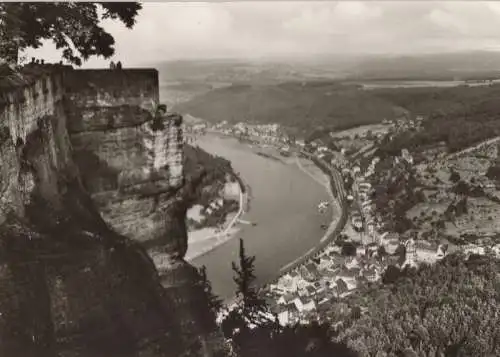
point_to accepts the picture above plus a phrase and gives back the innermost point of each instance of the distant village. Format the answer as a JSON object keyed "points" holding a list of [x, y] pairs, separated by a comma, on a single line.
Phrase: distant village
{"points": [[366, 247]]}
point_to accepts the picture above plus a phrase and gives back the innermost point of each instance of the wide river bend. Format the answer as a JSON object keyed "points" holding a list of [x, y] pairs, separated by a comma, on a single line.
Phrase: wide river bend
{"points": [[284, 206]]}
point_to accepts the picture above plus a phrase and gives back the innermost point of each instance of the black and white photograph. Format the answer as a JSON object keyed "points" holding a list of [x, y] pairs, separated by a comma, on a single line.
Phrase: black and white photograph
{"points": [[250, 179]]}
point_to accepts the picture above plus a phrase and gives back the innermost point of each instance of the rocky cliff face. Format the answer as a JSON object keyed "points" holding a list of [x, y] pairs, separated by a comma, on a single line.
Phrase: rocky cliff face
{"points": [[110, 117], [80, 188]]}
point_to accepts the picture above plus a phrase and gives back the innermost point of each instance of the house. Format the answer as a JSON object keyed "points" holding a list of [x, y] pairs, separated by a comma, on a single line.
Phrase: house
{"points": [[286, 299], [405, 154], [330, 273], [361, 279], [357, 223], [304, 272], [324, 263], [301, 283], [390, 236], [309, 305], [310, 290], [288, 314], [289, 285], [371, 228], [311, 271], [304, 305], [351, 263], [214, 205], [284, 318], [370, 274], [366, 203], [300, 143], [348, 273], [355, 271]]}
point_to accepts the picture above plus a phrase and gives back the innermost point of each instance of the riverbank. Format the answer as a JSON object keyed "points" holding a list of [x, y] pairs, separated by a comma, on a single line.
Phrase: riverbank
{"points": [[202, 241]]}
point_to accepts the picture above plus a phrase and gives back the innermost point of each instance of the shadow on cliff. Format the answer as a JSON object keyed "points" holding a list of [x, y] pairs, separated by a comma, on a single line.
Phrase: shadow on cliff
{"points": [[98, 172], [73, 287]]}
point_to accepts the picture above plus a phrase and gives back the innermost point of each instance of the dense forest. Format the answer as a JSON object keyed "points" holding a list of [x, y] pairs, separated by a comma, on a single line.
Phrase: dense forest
{"points": [[449, 309]]}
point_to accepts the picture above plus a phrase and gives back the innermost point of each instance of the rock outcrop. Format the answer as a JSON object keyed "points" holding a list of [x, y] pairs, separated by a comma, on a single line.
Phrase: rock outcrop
{"points": [[81, 199]]}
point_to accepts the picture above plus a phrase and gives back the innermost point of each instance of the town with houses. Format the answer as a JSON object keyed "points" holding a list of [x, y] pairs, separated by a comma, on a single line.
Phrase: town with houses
{"points": [[370, 242]]}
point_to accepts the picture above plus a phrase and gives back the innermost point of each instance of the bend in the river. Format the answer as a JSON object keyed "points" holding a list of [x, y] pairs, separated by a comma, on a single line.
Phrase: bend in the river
{"points": [[284, 206]]}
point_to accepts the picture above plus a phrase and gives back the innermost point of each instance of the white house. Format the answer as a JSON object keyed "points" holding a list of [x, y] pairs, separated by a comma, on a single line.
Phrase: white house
{"points": [[357, 222], [352, 263], [324, 263], [288, 315], [303, 305], [289, 284], [284, 318], [365, 186], [407, 156]]}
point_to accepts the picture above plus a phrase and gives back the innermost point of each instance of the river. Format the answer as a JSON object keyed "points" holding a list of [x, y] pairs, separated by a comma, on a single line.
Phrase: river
{"points": [[284, 206]]}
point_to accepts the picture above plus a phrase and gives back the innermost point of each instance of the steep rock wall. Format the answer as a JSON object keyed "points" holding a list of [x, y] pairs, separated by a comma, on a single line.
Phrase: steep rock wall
{"points": [[73, 283], [110, 116]]}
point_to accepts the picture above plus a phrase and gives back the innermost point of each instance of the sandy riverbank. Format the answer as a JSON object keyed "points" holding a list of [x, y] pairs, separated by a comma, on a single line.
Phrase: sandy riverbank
{"points": [[202, 241]]}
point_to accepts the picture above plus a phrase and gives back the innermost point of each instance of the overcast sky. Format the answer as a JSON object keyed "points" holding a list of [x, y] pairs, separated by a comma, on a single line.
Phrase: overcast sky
{"points": [[268, 29]]}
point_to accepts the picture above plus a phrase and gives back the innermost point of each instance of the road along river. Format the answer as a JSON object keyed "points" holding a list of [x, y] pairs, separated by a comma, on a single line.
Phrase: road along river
{"points": [[283, 205]]}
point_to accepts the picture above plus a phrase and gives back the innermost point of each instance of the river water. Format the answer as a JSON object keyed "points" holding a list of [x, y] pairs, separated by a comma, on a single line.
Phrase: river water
{"points": [[284, 206]]}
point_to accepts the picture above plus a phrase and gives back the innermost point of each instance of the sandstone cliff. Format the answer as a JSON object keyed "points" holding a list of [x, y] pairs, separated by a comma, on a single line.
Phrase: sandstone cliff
{"points": [[81, 192]]}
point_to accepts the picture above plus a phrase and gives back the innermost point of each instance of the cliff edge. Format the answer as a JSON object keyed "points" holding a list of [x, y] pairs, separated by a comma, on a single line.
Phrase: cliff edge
{"points": [[86, 186]]}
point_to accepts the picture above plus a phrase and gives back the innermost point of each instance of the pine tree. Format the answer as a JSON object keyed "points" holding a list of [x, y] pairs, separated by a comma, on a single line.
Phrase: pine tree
{"points": [[213, 301], [251, 303]]}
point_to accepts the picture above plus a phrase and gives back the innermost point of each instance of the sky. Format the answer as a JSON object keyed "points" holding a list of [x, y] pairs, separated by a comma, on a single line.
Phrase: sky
{"points": [[247, 29]]}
